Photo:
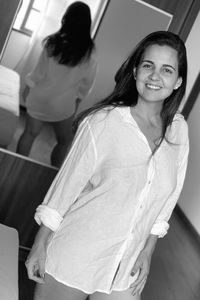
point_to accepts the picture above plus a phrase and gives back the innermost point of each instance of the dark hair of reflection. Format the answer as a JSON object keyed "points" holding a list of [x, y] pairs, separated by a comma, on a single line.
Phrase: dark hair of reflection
{"points": [[72, 43]]}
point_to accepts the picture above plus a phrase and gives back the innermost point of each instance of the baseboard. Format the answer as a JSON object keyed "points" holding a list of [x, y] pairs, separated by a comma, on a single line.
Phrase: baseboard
{"points": [[23, 253], [187, 223]]}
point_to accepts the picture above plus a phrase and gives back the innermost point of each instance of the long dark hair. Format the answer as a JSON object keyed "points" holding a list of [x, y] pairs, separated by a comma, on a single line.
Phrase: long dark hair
{"points": [[72, 43], [125, 92]]}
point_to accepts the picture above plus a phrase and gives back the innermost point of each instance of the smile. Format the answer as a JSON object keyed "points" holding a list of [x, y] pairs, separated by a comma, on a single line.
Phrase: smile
{"points": [[153, 87]]}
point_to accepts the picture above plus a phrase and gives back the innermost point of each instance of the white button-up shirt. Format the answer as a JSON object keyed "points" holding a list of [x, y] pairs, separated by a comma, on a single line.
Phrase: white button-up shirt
{"points": [[110, 194]]}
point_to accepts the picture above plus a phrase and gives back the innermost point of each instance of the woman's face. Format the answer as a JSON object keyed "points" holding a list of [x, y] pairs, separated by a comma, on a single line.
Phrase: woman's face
{"points": [[157, 74]]}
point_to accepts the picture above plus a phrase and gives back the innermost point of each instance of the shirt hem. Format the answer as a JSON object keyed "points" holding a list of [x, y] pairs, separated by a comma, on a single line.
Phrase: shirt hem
{"points": [[88, 292], [48, 119]]}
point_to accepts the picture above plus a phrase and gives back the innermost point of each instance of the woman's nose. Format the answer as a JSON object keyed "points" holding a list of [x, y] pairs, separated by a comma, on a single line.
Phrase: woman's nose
{"points": [[154, 75]]}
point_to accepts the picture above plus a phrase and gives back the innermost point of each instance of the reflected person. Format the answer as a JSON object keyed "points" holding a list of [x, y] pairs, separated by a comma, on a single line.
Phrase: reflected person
{"points": [[117, 188], [63, 76]]}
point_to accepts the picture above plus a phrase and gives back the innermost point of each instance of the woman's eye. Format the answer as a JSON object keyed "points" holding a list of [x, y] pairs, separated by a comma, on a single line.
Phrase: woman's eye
{"points": [[167, 71], [146, 66]]}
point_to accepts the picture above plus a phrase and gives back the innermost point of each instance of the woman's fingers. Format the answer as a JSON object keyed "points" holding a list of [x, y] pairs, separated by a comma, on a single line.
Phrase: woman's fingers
{"points": [[142, 274], [136, 267], [138, 285], [138, 289], [142, 287], [34, 272]]}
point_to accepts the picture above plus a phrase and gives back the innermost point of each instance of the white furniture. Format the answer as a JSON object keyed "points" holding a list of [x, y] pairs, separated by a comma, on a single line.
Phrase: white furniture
{"points": [[8, 263]]}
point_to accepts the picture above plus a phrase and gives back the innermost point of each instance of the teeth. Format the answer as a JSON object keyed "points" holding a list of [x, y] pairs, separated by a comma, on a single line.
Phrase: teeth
{"points": [[153, 87]]}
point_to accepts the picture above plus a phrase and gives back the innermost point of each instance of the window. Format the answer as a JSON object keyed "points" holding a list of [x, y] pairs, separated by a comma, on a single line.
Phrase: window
{"points": [[29, 16]]}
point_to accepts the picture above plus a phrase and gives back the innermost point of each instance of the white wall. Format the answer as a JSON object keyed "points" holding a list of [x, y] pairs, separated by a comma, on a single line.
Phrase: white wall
{"points": [[189, 201]]}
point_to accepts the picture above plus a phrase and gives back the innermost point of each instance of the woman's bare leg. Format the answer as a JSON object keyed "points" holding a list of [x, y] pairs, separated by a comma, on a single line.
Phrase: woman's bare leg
{"points": [[54, 290], [31, 131], [64, 137], [115, 295]]}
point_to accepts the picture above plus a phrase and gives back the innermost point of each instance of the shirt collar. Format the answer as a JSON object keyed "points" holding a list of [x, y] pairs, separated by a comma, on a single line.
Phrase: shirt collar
{"points": [[125, 112]]}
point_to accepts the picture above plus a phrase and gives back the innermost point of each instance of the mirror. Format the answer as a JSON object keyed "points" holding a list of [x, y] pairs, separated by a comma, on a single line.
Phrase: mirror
{"points": [[26, 36], [114, 39]]}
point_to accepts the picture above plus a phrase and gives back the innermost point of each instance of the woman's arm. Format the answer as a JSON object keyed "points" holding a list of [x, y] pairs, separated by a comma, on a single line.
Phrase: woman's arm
{"points": [[38, 71], [150, 244], [88, 81], [35, 262], [161, 225], [71, 179]]}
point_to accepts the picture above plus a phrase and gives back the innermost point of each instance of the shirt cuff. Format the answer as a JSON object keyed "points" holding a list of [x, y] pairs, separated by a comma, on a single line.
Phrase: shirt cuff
{"points": [[48, 216], [29, 81], [160, 228]]}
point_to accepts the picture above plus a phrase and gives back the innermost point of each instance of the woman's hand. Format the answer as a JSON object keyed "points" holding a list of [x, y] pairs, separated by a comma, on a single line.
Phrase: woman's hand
{"points": [[142, 265], [35, 263]]}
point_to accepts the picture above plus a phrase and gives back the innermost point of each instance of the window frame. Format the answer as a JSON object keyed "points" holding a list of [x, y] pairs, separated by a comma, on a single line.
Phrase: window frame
{"points": [[23, 28]]}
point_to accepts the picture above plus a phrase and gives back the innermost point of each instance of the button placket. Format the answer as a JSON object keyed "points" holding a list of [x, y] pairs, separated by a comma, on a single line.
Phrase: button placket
{"points": [[150, 175], [151, 171]]}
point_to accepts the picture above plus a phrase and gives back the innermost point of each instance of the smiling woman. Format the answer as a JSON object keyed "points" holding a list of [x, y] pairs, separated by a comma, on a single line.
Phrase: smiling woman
{"points": [[111, 200], [157, 74]]}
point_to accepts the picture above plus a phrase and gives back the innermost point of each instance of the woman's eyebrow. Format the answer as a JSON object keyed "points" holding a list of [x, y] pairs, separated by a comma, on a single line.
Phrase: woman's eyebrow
{"points": [[165, 65], [146, 60], [169, 66]]}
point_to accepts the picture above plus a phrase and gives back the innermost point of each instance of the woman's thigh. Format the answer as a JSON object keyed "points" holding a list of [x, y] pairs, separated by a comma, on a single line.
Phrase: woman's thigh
{"points": [[115, 295], [63, 130], [33, 126], [54, 290]]}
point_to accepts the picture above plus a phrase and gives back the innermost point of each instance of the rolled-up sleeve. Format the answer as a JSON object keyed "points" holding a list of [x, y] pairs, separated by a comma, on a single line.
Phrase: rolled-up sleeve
{"points": [[48, 216], [71, 179], [38, 72], [161, 224]]}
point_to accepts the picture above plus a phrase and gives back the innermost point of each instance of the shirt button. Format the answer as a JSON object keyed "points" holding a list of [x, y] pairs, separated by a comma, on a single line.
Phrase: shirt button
{"points": [[149, 182]]}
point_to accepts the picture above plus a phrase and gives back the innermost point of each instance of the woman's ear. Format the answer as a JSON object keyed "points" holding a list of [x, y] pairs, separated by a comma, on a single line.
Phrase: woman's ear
{"points": [[178, 83]]}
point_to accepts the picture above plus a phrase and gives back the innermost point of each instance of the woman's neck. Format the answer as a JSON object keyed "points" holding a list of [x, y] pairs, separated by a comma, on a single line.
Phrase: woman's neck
{"points": [[148, 112]]}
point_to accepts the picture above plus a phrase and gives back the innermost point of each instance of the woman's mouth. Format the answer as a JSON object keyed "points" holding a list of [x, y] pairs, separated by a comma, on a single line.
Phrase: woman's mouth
{"points": [[153, 86]]}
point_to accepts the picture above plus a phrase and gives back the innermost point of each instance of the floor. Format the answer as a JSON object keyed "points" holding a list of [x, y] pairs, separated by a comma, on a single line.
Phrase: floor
{"points": [[175, 269]]}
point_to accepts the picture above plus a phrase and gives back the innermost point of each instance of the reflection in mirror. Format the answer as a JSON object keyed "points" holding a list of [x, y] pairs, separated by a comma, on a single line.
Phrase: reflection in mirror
{"points": [[33, 23]]}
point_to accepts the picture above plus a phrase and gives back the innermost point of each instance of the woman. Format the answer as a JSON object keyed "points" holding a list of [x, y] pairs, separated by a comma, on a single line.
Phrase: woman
{"points": [[117, 188], [62, 77]]}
